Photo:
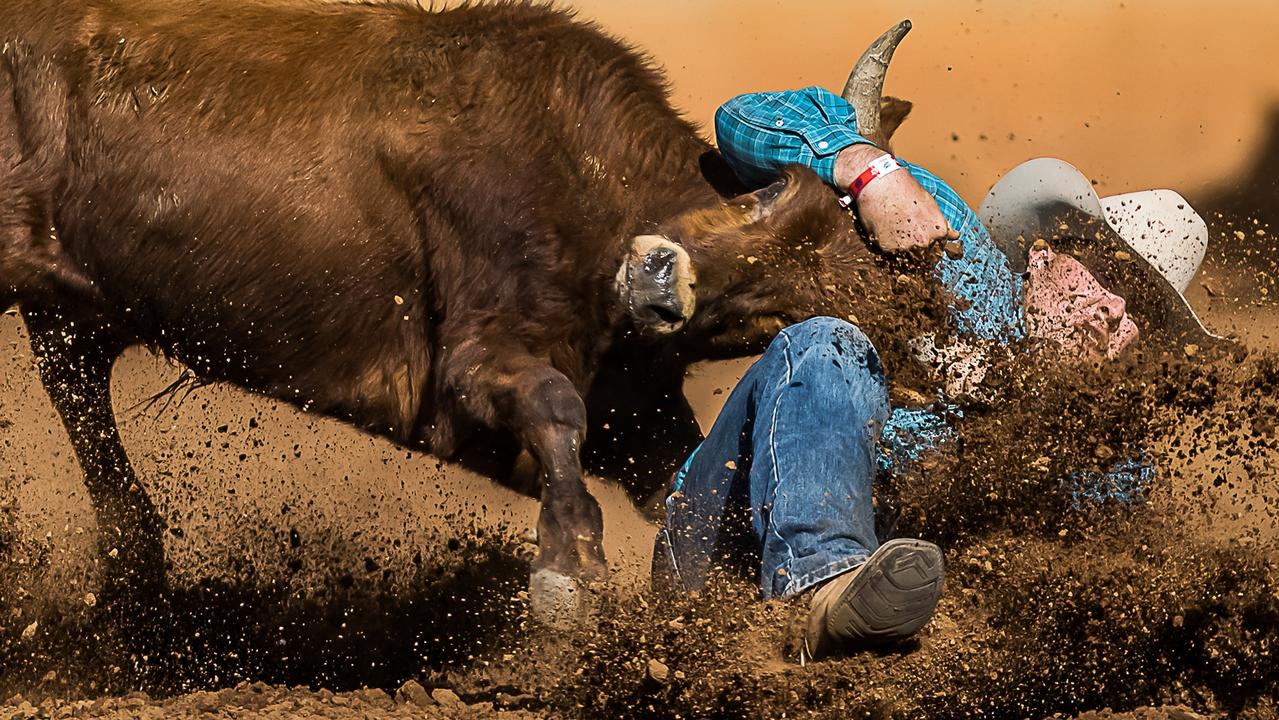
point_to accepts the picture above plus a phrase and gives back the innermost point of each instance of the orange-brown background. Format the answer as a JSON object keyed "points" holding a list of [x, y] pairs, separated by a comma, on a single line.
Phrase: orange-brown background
{"points": [[1137, 93]]}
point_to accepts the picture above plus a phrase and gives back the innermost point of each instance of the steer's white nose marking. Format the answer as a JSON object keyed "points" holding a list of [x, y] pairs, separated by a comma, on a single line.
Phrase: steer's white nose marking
{"points": [[684, 278]]}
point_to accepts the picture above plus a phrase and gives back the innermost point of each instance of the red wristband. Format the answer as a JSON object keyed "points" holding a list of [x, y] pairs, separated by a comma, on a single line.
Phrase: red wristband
{"points": [[880, 166]]}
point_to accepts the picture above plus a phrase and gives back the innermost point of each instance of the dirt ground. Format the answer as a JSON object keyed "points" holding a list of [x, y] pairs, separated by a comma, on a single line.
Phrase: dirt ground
{"points": [[310, 563], [413, 701]]}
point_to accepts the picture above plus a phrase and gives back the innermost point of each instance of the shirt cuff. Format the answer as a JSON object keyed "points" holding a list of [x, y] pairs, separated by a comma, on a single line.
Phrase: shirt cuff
{"points": [[825, 144]]}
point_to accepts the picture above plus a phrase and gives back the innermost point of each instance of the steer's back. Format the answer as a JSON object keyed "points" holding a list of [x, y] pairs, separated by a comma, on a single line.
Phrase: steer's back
{"points": [[302, 197]]}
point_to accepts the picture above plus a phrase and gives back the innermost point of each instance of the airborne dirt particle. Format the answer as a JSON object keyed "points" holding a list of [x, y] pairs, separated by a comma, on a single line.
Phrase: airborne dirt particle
{"points": [[658, 671]]}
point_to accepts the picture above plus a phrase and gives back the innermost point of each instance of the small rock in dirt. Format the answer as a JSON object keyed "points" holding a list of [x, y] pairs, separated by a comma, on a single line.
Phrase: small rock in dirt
{"points": [[204, 701], [30, 631], [507, 700], [658, 671], [284, 708], [227, 696], [413, 693], [90, 599], [375, 697], [446, 697]]}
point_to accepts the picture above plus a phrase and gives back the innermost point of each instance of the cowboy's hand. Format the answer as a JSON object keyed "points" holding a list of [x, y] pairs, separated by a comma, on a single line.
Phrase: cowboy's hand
{"points": [[896, 210]]}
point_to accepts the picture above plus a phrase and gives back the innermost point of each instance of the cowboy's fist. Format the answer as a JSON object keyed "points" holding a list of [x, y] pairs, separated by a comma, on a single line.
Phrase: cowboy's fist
{"points": [[896, 210]]}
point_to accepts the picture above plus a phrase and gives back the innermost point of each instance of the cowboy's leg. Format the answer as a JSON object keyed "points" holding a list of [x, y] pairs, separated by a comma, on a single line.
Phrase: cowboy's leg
{"points": [[708, 512], [815, 461], [791, 460]]}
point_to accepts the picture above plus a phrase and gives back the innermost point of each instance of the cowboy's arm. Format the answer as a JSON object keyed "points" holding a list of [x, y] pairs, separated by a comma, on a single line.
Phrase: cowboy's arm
{"points": [[760, 133]]}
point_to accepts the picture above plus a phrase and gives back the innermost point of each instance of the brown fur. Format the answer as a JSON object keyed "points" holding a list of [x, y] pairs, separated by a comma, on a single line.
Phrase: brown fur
{"points": [[404, 218]]}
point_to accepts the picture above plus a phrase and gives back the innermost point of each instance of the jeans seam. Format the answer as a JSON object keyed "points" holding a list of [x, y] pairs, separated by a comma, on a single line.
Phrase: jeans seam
{"points": [[670, 552], [772, 449], [839, 567]]}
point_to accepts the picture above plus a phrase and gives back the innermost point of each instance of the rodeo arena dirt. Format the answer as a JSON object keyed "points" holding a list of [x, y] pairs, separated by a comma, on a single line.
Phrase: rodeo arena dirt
{"points": [[315, 569]]}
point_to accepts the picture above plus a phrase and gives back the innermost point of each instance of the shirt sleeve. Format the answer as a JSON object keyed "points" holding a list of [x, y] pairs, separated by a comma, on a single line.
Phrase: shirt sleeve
{"points": [[910, 433], [1127, 482], [978, 274], [760, 133]]}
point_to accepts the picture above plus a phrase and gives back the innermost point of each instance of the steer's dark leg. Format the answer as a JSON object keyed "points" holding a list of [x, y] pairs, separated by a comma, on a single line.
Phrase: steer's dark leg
{"points": [[505, 386], [75, 352]]}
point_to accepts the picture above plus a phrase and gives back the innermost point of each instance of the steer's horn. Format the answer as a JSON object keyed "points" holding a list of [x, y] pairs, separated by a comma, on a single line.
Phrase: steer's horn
{"points": [[866, 83]]}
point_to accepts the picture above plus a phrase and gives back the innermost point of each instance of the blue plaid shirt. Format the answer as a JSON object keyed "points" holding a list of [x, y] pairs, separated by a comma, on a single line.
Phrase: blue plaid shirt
{"points": [[760, 133]]}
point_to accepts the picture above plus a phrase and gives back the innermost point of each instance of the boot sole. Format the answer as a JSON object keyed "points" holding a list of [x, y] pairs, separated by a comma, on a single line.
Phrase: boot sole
{"points": [[893, 595]]}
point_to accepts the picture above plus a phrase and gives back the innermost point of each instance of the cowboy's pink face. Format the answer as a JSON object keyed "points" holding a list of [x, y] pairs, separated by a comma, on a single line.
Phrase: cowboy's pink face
{"points": [[1066, 304]]}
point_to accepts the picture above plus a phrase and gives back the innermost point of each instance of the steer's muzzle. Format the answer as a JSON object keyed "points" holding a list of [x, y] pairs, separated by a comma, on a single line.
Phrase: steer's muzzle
{"points": [[656, 284]]}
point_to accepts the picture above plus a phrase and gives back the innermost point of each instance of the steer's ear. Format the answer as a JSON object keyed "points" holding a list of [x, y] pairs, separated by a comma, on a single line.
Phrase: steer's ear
{"points": [[892, 113], [761, 204], [798, 192], [767, 212]]}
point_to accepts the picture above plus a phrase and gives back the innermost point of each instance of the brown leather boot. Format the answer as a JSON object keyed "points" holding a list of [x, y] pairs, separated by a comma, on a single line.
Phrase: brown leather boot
{"points": [[886, 599]]}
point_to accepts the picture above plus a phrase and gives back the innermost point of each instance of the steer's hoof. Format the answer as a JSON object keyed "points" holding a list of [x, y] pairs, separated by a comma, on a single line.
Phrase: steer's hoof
{"points": [[556, 600]]}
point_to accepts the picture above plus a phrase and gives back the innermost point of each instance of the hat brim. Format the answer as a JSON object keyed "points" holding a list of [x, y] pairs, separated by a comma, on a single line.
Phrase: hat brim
{"points": [[1164, 228]]}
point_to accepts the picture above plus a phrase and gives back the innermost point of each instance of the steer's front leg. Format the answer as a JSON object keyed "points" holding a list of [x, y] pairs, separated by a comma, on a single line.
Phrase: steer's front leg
{"points": [[504, 386]]}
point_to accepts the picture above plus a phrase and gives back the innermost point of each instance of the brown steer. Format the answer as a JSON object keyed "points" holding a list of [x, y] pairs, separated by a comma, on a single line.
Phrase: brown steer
{"points": [[425, 223]]}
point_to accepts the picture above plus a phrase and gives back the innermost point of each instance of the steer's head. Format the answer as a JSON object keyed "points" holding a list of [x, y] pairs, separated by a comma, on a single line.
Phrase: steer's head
{"points": [[786, 253], [733, 274]]}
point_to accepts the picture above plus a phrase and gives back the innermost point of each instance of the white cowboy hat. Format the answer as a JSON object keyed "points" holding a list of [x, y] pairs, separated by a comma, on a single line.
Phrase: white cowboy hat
{"points": [[1146, 246]]}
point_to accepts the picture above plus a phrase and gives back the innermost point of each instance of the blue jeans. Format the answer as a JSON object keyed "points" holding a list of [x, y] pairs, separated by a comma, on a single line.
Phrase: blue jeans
{"points": [[782, 484]]}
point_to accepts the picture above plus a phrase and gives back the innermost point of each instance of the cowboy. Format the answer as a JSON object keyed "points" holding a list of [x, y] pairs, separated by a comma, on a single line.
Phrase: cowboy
{"points": [[788, 466]]}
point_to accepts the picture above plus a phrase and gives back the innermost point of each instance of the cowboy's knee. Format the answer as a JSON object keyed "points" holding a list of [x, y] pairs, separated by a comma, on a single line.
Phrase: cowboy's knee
{"points": [[833, 345]]}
